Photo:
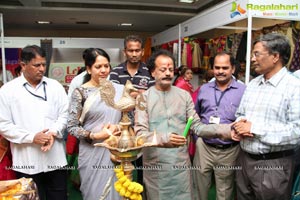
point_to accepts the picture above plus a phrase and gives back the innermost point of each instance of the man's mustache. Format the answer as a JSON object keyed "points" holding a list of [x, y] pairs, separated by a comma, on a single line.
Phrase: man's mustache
{"points": [[167, 78]]}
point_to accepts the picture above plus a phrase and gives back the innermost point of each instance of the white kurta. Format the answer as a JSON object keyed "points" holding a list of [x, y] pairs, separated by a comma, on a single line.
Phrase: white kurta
{"points": [[23, 115]]}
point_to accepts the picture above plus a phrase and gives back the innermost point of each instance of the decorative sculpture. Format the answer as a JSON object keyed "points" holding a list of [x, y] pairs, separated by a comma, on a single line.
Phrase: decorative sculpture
{"points": [[126, 147]]}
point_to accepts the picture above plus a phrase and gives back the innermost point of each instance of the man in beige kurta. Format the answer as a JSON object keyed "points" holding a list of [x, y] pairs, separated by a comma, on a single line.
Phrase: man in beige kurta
{"points": [[164, 109]]}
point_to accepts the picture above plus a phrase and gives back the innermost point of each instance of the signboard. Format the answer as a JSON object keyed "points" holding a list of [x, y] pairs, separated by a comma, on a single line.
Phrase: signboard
{"points": [[64, 72], [221, 14], [275, 9]]}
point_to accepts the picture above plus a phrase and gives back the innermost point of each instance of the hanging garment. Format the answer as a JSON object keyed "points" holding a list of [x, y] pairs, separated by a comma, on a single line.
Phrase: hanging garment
{"points": [[241, 53], [197, 55], [295, 64], [147, 50], [206, 53], [175, 53], [289, 34], [184, 55], [235, 43], [189, 57], [229, 41], [220, 43]]}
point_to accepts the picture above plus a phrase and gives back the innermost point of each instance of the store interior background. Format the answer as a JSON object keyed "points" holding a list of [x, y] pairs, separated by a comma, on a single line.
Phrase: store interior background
{"points": [[97, 23]]}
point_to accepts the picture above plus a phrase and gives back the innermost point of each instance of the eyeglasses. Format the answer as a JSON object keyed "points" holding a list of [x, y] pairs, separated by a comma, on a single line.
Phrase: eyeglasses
{"points": [[258, 54]]}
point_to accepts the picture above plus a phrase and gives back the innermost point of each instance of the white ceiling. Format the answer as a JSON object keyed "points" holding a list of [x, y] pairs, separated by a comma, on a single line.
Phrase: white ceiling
{"points": [[151, 16]]}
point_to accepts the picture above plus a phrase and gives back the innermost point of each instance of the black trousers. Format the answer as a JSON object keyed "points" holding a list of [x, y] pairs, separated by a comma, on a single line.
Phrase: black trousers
{"points": [[139, 164], [51, 185]]}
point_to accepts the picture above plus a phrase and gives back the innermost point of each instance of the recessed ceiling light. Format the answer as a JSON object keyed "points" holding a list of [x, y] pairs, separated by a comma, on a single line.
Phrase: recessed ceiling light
{"points": [[186, 1], [43, 22], [82, 22], [125, 24], [169, 25]]}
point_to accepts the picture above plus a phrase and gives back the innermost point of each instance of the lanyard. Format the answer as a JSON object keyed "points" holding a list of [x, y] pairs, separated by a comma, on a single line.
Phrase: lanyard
{"points": [[218, 101], [45, 94]]}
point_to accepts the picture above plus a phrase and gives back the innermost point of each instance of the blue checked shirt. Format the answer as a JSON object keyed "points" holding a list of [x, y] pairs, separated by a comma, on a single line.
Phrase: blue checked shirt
{"points": [[273, 108]]}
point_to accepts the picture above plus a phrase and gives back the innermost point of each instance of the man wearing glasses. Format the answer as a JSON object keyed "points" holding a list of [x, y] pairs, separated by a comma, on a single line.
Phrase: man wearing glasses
{"points": [[34, 111], [268, 124]]}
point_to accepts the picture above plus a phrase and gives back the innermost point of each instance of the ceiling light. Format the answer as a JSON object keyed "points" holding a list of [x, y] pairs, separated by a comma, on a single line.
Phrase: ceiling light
{"points": [[43, 22], [125, 24], [186, 1], [82, 22]]}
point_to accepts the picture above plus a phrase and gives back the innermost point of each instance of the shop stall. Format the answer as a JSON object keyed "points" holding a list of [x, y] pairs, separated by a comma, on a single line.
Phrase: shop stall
{"points": [[233, 16]]}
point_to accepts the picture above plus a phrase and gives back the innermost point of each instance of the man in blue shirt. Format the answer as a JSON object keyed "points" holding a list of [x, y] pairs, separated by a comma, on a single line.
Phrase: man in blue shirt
{"points": [[216, 104]]}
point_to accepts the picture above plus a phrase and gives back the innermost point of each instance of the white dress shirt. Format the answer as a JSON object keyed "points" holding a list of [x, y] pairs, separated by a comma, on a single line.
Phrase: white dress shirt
{"points": [[25, 111]]}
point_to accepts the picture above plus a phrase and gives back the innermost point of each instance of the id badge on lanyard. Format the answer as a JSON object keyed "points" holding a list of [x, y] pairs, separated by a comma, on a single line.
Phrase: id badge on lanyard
{"points": [[215, 119]]}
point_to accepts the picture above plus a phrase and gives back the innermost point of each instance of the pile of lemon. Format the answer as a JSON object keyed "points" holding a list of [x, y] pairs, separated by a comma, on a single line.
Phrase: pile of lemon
{"points": [[125, 187]]}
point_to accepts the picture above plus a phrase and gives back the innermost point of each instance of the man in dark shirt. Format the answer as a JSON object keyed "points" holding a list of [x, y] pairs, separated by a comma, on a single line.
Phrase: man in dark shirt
{"points": [[136, 71], [133, 68]]}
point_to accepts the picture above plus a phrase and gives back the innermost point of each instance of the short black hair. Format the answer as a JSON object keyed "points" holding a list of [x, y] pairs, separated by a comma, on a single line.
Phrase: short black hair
{"points": [[151, 61], [30, 52], [231, 58], [90, 56], [134, 38]]}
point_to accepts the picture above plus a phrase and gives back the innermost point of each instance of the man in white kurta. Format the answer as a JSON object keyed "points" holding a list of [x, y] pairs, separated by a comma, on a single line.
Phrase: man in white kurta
{"points": [[34, 111]]}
